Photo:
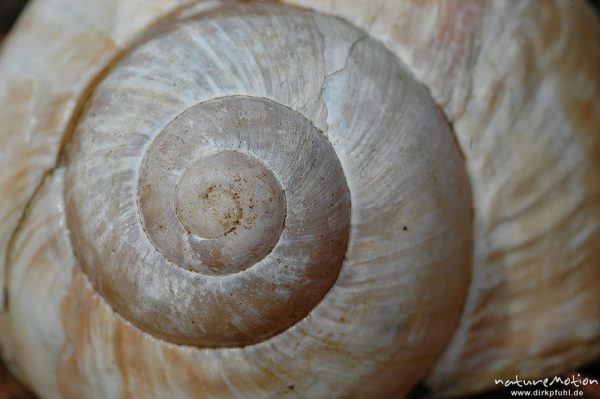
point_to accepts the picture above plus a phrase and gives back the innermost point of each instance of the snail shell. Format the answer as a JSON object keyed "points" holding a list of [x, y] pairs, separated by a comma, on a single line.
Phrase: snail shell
{"points": [[332, 200]]}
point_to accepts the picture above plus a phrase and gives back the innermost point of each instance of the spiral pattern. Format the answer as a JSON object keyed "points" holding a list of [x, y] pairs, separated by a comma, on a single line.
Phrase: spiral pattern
{"points": [[118, 258], [230, 208], [211, 204], [221, 213], [270, 190], [239, 221]]}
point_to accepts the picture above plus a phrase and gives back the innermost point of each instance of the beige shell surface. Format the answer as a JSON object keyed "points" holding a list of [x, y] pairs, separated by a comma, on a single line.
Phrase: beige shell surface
{"points": [[111, 319], [46, 86], [518, 85]]}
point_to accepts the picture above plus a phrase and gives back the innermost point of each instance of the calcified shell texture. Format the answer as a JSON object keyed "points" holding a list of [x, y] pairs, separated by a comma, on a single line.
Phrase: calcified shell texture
{"points": [[277, 188], [250, 200], [266, 194]]}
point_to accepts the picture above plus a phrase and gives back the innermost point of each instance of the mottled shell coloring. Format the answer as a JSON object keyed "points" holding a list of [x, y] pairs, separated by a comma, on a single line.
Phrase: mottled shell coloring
{"points": [[304, 198]]}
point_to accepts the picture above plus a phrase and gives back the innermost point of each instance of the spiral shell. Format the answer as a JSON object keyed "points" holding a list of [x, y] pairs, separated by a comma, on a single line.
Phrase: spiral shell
{"points": [[233, 199]]}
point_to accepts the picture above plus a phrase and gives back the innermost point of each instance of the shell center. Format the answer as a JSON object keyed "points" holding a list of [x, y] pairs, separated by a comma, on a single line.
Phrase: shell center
{"points": [[227, 191]]}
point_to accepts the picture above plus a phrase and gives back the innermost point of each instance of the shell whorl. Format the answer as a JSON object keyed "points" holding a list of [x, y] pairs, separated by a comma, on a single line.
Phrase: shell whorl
{"points": [[230, 165], [146, 143], [246, 196]]}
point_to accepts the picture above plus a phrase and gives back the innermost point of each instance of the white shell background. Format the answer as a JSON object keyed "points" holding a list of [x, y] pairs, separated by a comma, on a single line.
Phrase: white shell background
{"points": [[391, 308], [524, 118]]}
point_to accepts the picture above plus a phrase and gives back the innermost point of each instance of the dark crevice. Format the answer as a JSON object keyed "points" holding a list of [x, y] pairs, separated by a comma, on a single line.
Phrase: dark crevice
{"points": [[9, 11]]}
